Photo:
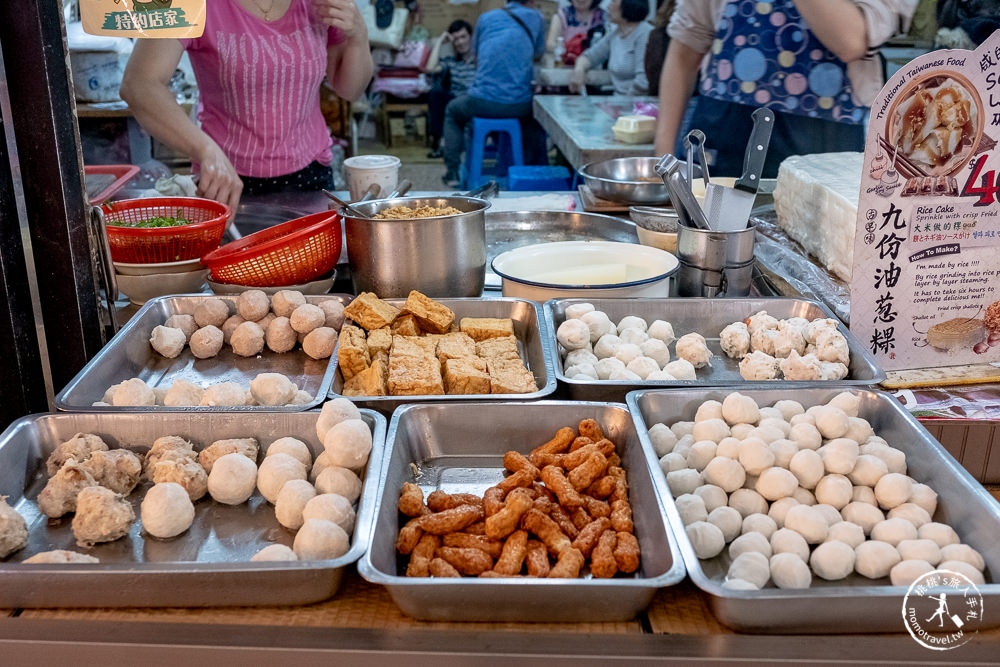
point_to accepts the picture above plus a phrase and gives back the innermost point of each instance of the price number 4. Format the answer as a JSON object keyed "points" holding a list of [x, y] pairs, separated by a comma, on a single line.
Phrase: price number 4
{"points": [[987, 192]]}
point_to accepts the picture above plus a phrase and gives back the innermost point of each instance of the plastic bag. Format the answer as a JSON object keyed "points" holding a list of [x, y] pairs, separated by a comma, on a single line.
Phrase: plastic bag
{"points": [[645, 109], [412, 54]]}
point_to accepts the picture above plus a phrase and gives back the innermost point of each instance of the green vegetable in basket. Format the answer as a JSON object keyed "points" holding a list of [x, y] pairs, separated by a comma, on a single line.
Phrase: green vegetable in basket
{"points": [[156, 221]]}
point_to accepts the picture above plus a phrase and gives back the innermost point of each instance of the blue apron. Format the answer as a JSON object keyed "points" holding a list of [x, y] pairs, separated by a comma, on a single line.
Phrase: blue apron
{"points": [[764, 55]]}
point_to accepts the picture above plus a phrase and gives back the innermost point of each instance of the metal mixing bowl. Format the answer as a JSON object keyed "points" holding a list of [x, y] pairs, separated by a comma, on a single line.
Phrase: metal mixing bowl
{"points": [[441, 256], [632, 180]]}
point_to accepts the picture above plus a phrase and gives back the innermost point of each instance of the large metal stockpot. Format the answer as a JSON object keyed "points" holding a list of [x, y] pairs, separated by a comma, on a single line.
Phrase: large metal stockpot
{"points": [[441, 256]]}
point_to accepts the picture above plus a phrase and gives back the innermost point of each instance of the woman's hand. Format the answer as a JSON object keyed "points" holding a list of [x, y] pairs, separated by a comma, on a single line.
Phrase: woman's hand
{"points": [[578, 79], [218, 179], [343, 15]]}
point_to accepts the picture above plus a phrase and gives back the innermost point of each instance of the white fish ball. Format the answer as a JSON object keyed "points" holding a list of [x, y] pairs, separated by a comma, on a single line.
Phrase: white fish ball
{"points": [[624, 375], [232, 479], [274, 471], [747, 542], [710, 429], [846, 532], [832, 560], [868, 470], [608, 366], [729, 448], [573, 334], [807, 522], [779, 508], [759, 523], [920, 549], [632, 321], [272, 389], [912, 512], [847, 402], [713, 496], [725, 473], [585, 370], [578, 310], [682, 428], [132, 392], [755, 456], [751, 566], [708, 410], [691, 508], [740, 409], [834, 490], [787, 541], [863, 514], [671, 462], [290, 502], [858, 429], [747, 502], [741, 431], [789, 409], [783, 451], [734, 584], [349, 443], [804, 418], [728, 520], [626, 352], [580, 356], [166, 510], [682, 369], [661, 330], [167, 341], [274, 552], [633, 335], [905, 572], [342, 481], [829, 513], [804, 496], [925, 497], [319, 539], [607, 345], [700, 454], [641, 366], [874, 559], [683, 481], [966, 570], [331, 507], [806, 436], [656, 350], [706, 539], [662, 438], [839, 455], [941, 533], [893, 489], [294, 448], [863, 494], [775, 423], [776, 483], [790, 571], [831, 422], [964, 553]]}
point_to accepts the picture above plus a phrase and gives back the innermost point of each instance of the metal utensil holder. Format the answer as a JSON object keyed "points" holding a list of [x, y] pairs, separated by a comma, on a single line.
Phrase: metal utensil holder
{"points": [[715, 263]]}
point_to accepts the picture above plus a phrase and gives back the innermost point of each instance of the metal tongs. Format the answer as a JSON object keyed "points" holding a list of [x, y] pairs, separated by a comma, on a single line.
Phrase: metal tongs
{"points": [[688, 210], [695, 139]]}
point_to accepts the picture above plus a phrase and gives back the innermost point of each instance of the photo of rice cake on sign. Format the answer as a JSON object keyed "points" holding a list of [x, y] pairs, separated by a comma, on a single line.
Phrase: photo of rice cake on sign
{"points": [[935, 125]]}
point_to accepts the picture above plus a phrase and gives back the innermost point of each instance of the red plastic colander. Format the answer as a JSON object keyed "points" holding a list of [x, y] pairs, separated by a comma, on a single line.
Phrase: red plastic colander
{"points": [[154, 245]]}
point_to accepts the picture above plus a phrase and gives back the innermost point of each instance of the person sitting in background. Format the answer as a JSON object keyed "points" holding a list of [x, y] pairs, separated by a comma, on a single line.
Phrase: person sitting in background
{"points": [[819, 71], [623, 48], [259, 73], [574, 23], [453, 76], [505, 43]]}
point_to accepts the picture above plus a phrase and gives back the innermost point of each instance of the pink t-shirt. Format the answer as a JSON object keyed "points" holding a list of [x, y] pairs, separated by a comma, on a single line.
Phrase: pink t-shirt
{"points": [[259, 85]]}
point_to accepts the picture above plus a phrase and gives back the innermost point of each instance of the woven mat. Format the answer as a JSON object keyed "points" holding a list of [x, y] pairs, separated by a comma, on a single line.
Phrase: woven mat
{"points": [[683, 610]]}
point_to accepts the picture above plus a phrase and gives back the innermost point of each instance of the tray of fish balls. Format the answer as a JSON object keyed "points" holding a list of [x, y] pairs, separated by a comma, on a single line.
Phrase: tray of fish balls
{"points": [[395, 351], [604, 348], [548, 514], [206, 509], [815, 511], [247, 352]]}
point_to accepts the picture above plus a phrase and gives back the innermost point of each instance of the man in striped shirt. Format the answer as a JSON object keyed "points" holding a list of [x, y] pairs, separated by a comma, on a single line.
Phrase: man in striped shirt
{"points": [[454, 75]]}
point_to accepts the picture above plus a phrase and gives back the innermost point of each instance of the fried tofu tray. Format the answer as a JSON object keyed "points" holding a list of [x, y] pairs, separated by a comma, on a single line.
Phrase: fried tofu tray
{"points": [[529, 330], [707, 317], [130, 355], [459, 448], [855, 604], [207, 565]]}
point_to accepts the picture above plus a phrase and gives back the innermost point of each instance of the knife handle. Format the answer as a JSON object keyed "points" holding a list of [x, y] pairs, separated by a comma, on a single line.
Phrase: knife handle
{"points": [[753, 161]]}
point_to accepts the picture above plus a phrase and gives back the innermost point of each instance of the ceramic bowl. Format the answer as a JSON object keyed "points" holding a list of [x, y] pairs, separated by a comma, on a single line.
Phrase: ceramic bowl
{"points": [[141, 289]]}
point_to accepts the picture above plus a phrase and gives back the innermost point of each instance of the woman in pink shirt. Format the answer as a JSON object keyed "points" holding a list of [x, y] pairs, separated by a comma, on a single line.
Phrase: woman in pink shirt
{"points": [[259, 66]]}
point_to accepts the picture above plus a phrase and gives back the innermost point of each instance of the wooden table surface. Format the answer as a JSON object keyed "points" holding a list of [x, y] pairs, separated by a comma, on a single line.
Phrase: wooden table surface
{"points": [[580, 126]]}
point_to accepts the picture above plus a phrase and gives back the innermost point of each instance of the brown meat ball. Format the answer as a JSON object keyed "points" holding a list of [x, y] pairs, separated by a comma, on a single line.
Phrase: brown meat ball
{"points": [[248, 339], [79, 447], [101, 516], [307, 317], [166, 448], [253, 305], [60, 556], [281, 337], [13, 529], [206, 342], [229, 326], [211, 312], [186, 472], [334, 311], [265, 321], [117, 469], [285, 301], [319, 343], [185, 323], [59, 495], [248, 447]]}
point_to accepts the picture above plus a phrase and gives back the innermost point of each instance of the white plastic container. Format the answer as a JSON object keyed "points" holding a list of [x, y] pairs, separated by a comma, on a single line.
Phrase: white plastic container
{"points": [[361, 171], [634, 129]]}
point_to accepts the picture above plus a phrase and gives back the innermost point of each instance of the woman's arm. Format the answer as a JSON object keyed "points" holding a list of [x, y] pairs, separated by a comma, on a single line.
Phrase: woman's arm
{"points": [[349, 65], [680, 72], [145, 86], [838, 24], [555, 31]]}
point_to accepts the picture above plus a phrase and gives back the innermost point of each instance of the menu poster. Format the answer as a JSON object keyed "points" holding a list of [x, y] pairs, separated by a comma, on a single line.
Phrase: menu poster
{"points": [[925, 290], [176, 19]]}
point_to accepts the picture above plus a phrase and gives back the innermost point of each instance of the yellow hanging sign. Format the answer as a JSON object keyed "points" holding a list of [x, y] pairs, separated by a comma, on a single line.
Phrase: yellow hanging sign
{"points": [[144, 19]]}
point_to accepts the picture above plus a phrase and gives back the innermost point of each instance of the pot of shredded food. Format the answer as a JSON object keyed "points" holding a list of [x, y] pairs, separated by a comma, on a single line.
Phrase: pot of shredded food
{"points": [[436, 245]]}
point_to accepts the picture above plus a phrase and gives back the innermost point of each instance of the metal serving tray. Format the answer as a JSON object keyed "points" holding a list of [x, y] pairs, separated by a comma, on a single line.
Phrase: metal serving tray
{"points": [[459, 448], [209, 565], [856, 604], [707, 317], [130, 355], [531, 332]]}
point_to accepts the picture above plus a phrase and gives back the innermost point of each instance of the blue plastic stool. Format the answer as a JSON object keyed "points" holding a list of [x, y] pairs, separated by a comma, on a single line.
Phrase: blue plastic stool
{"points": [[530, 177], [509, 151]]}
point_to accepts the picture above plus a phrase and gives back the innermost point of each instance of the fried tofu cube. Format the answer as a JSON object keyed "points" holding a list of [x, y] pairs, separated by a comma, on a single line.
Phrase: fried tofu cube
{"points": [[373, 381], [414, 376], [504, 347], [379, 340], [481, 328], [352, 351], [431, 316], [414, 346], [466, 375], [510, 377], [371, 312], [455, 346], [405, 325]]}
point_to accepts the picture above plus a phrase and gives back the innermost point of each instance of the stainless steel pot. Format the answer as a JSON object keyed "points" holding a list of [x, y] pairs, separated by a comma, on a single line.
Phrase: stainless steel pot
{"points": [[441, 256], [632, 180]]}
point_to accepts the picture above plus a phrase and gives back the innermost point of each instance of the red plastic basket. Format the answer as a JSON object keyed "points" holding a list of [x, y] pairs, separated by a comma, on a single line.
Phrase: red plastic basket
{"points": [[292, 253], [138, 245]]}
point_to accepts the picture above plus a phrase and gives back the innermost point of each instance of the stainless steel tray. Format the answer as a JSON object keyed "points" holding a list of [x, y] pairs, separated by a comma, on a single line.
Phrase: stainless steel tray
{"points": [[506, 230], [707, 317], [855, 604], [531, 332], [129, 355], [209, 565], [459, 448]]}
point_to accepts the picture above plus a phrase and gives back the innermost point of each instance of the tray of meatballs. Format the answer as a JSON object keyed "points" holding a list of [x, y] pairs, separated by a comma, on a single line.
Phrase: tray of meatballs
{"points": [[197, 353], [815, 511], [604, 348], [206, 509]]}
